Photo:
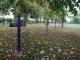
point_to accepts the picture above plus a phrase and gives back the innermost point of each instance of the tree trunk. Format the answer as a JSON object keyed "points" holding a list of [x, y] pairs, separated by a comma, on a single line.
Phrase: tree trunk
{"points": [[55, 24], [40, 19], [63, 22], [44, 20], [46, 30], [3, 22], [52, 21], [37, 19], [10, 21], [25, 19]]}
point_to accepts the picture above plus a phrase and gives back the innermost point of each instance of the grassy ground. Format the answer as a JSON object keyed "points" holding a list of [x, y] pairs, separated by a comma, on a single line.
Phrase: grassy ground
{"points": [[59, 44]]}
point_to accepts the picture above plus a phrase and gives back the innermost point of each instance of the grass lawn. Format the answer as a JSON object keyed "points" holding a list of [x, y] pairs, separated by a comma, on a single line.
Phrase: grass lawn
{"points": [[59, 44]]}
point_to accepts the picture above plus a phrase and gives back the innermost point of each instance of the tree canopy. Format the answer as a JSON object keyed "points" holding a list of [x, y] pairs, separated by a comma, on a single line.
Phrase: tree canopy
{"points": [[39, 7], [4, 6]]}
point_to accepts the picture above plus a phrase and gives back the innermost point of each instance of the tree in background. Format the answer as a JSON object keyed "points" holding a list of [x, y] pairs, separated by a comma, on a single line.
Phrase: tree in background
{"points": [[75, 20], [60, 5], [4, 6], [54, 17], [46, 16]]}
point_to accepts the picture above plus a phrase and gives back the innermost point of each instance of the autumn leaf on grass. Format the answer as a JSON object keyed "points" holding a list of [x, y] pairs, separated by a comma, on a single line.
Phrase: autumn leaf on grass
{"points": [[42, 52]]}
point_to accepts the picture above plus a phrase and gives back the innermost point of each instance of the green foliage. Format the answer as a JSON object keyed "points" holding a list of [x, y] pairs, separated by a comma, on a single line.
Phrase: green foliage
{"points": [[75, 20], [40, 8], [4, 6], [62, 5]]}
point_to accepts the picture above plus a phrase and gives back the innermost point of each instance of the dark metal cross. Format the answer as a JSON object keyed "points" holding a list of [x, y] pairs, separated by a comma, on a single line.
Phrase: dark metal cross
{"points": [[18, 33]]}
